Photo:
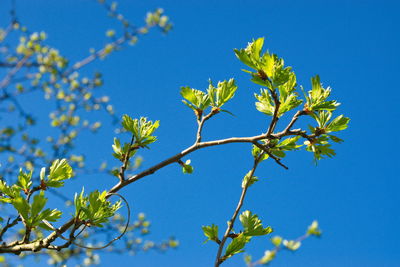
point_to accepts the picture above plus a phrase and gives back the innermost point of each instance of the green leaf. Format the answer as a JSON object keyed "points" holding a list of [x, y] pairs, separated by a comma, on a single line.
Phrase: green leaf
{"points": [[39, 201], [95, 208], [335, 139], [276, 241], [252, 225], [278, 153], [118, 153], [291, 244], [24, 180], [236, 246], [251, 54], [338, 124], [322, 118], [22, 206], [269, 255], [320, 147], [222, 93], [313, 229], [256, 152], [211, 232], [9, 192], [60, 170], [248, 180], [289, 144], [265, 102], [198, 100], [187, 168], [317, 97], [287, 95], [141, 129]]}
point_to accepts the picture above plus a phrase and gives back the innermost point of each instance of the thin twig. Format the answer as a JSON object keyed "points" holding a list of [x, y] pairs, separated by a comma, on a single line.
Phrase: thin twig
{"points": [[218, 259]]}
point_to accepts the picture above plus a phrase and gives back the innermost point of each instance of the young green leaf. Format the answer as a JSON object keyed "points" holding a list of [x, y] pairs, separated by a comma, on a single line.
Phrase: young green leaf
{"points": [[248, 180], [211, 232], [60, 170], [187, 168], [222, 93], [338, 124], [291, 244], [320, 147], [236, 246], [317, 97], [141, 129], [313, 229], [265, 102], [269, 255], [24, 180], [276, 241], [95, 209], [196, 99], [289, 144], [252, 225]]}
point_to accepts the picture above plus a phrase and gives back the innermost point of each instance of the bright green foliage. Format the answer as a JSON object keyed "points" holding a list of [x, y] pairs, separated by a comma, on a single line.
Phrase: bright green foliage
{"points": [[291, 244], [33, 214], [60, 170], [142, 130], [187, 168], [265, 103], [289, 144], [317, 97], [196, 99], [31, 67], [94, 209], [252, 225], [222, 93], [24, 180], [249, 179], [257, 153], [211, 232], [320, 147], [338, 124], [8, 192], [270, 73], [288, 97], [313, 229], [236, 246], [277, 148], [276, 240], [279, 243], [157, 18], [269, 255], [215, 97], [120, 152], [323, 119]]}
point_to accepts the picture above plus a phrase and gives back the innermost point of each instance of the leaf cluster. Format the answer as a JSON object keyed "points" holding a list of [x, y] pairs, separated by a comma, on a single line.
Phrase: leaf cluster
{"points": [[214, 97], [94, 209]]}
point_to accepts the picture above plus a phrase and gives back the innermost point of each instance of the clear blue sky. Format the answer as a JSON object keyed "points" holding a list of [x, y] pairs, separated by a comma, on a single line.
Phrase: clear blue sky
{"points": [[352, 45]]}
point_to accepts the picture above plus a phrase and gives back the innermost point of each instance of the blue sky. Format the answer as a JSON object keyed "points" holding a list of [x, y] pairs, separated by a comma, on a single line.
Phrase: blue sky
{"points": [[352, 45]]}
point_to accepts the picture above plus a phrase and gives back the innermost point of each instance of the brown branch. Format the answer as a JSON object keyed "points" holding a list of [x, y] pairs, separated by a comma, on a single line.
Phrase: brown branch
{"points": [[201, 122], [17, 248], [265, 149], [275, 117], [8, 226], [219, 259]]}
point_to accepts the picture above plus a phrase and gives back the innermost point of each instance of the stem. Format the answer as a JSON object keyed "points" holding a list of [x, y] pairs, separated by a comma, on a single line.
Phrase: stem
{"points": [[218, 259], [16, 247]]}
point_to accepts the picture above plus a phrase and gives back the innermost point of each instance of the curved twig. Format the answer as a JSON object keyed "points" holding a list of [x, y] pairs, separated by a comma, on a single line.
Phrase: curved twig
{"points": [[116, 238]]}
